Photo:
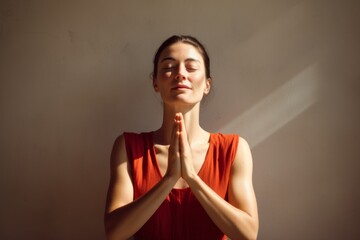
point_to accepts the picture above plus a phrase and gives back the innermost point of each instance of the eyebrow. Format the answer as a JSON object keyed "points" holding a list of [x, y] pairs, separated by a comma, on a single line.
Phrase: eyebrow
{"points": [[173, 59]]}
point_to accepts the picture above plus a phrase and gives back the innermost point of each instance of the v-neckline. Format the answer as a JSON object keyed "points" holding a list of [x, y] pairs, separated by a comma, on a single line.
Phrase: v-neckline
{"points": [[156, 163]]}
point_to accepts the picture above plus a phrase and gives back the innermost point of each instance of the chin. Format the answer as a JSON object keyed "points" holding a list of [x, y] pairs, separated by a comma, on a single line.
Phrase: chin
{"points": [[181, 101]]}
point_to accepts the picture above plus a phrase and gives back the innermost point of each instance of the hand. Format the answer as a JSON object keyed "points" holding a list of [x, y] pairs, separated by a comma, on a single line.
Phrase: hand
{"points": [[174, 164], [187, 166]]}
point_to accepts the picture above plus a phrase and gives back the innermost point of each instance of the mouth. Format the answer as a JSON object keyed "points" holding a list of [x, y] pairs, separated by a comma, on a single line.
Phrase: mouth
{"points": [[179, 87]]}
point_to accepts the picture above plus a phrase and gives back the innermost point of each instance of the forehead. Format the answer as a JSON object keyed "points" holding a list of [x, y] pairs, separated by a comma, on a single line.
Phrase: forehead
{"points": [[181, 51]]}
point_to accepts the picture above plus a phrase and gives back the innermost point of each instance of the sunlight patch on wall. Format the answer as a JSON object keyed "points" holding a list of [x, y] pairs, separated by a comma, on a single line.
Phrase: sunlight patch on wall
{"points": [[278, 108]]}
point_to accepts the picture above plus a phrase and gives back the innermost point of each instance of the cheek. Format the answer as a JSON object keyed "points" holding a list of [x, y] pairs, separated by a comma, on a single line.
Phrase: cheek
{"points": [[199, 79], [165, 74]]}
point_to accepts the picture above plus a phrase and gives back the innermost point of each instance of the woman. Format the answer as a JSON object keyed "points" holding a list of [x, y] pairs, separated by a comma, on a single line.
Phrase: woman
{"points": [[180, 181]]}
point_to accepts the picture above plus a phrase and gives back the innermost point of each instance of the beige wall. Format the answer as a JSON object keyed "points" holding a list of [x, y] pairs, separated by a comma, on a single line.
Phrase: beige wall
{"points": [[74, 75]]}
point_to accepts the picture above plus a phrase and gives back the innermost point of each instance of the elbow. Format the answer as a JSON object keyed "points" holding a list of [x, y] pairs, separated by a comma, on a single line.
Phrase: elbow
{"points": [[113, 237], [249, 235], [252, 231], [112, 231], [253, 234], [111, 234], [249, 232]]}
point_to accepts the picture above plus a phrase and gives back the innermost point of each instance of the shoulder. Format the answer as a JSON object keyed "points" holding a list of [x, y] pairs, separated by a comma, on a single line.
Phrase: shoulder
{"points": [[127, 139], [235, 145], [236, 139], [118, 151], [243, 146], [225, 139], [122, 145], [127, 145], [135, 135], [131, 143], [243, 158]]}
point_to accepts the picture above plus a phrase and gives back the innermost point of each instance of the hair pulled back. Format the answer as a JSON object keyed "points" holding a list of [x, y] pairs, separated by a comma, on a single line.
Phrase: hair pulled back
{"points": [[183, 39]]}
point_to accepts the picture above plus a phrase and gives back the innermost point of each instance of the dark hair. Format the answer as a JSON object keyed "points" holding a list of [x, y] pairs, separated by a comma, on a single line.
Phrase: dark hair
{"points": [[184, 39]]}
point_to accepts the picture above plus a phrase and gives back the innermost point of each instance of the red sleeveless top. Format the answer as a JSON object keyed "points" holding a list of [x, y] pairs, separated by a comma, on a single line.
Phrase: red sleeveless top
{"points": [[180, 216]]}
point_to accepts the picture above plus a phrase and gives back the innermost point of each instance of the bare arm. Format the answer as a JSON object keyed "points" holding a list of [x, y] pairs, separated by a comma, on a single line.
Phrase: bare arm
{"points": [[238, 218], [123, 216]]}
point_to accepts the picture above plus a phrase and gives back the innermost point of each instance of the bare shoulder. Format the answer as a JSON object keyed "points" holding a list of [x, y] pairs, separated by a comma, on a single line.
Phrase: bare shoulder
{"points": [[118, 153], [243, 146], [243, 157], [241, 191], [120, 187]]}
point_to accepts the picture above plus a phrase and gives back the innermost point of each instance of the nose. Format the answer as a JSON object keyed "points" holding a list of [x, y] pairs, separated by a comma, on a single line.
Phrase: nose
{"points": [[181, 73]]}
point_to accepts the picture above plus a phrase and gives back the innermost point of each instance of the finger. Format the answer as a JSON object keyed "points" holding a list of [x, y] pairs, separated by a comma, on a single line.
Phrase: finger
{"points": [[182, 124], [183, 141], [174, 144], [179, 121]]}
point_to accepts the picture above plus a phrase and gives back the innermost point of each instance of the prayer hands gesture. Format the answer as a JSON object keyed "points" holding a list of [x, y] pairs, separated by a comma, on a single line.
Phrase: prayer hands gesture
{"points": [[180, 163]]}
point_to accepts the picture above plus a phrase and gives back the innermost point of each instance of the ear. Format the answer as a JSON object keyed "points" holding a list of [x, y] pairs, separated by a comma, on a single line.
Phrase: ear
{"points": [[156, 87], [207, 86]]}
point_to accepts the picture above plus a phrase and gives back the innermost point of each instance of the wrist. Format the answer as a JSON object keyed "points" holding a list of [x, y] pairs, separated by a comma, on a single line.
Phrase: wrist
{"points": [[192, 179], [171, 178]]}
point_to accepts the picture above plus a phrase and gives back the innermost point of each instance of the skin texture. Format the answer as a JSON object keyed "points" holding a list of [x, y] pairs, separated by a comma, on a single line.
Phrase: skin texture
{"points": [[181, 145]]}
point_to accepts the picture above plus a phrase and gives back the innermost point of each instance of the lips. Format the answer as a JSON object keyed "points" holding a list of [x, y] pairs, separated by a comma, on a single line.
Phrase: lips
{"points": [[181, 87]]}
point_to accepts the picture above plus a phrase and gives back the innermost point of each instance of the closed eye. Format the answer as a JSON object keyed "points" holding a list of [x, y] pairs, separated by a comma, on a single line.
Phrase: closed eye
{"points": [[168, 68], [192, 69], [192, 65]]}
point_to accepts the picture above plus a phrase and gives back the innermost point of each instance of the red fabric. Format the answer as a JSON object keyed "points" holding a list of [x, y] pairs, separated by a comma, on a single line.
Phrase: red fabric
{"points": [[180, 216]]}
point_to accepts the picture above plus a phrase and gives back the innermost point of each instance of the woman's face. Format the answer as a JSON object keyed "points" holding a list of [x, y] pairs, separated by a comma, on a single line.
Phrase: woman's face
{"points": [[181, 75]]}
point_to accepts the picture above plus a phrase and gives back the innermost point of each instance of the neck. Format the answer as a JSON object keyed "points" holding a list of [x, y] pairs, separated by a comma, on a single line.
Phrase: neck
{"points": [[191, 120]]}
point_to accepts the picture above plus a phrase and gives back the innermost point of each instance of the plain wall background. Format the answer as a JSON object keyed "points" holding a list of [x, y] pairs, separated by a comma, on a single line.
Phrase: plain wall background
{"points": [[75, 74]]}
